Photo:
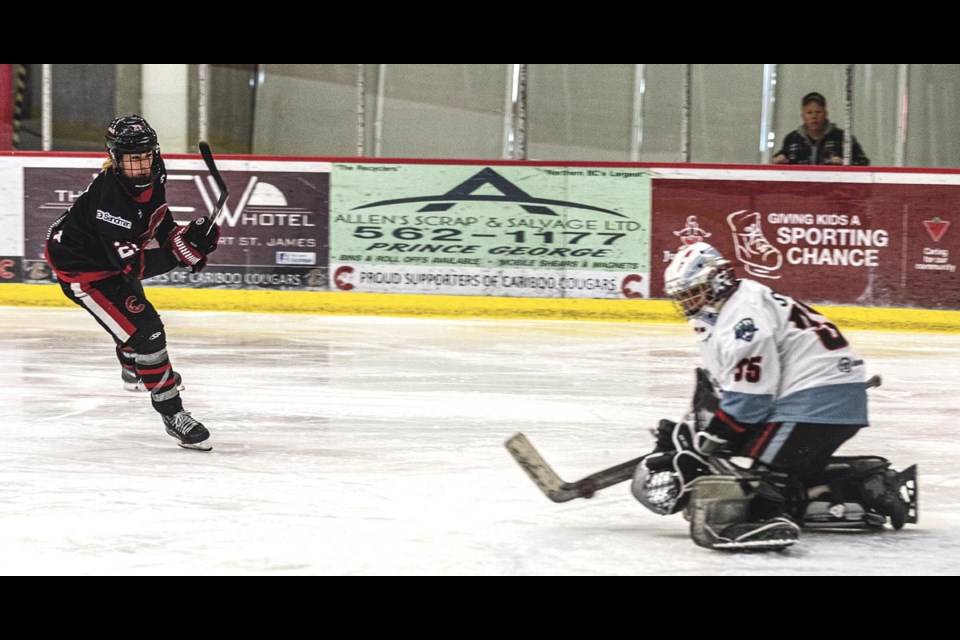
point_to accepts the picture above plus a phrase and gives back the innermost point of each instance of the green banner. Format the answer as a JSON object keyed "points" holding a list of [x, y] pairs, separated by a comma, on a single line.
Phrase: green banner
{"points": [[486, 221]]}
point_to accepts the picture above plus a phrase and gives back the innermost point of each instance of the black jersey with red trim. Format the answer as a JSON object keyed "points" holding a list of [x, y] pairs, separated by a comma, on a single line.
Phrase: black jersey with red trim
{"points": [[109, 232]]}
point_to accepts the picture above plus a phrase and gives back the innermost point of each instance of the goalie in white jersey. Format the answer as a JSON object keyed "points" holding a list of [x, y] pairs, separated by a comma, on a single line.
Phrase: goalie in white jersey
{"points": [[791, 391]]}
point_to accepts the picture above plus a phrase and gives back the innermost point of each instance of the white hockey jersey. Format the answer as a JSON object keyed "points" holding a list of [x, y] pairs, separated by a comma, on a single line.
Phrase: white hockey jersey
{"points": [[777, 360]]}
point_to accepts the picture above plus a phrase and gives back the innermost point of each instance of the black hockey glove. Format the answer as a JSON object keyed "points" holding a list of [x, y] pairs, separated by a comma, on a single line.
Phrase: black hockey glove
{"points": [[193, 243]]}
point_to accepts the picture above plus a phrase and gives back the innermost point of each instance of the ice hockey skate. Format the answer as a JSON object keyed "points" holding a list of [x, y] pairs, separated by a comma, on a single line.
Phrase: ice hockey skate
{"points": [[862, 492], [894, 495], [188, 431]]}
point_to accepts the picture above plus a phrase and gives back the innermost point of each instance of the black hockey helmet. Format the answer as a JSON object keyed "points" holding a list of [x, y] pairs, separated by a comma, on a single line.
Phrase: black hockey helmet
{"points": [[132, 134]]}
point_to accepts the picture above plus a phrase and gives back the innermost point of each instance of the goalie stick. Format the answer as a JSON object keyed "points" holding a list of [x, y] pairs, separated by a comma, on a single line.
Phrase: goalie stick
{"points": [[222, 200], [558, 490]]}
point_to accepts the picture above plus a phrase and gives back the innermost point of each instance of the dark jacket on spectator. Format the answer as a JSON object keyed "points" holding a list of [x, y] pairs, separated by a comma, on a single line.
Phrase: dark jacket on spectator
{"points": [[800, 149]]}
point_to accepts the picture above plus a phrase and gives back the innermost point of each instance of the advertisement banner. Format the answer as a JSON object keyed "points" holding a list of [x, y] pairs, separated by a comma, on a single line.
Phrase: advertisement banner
{"points": [[866, 243], [273, 229], [529, 231]]}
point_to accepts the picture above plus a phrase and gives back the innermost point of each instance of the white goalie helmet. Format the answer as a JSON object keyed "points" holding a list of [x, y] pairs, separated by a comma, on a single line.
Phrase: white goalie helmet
{"points": [[698, 279]]}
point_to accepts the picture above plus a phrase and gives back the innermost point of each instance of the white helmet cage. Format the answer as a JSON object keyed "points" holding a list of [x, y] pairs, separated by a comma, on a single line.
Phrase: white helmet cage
{"points": [[698, 277]]}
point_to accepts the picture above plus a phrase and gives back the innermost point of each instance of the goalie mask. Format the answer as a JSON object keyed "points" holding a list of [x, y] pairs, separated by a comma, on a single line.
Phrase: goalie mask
{"points": [[132, 136], [698, 280]]}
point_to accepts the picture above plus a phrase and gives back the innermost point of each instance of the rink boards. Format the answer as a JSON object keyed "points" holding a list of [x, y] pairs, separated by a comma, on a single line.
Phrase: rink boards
{"points": [[564, 240], [331, 303]]}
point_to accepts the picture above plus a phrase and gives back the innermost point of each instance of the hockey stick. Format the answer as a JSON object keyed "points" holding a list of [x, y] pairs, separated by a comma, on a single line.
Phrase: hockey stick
{"points": [[552, 485], [558, 490], [222, 200]]}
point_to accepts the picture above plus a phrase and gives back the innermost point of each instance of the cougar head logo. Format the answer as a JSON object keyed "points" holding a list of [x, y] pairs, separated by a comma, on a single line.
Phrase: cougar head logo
{"points": [[132, 306]]}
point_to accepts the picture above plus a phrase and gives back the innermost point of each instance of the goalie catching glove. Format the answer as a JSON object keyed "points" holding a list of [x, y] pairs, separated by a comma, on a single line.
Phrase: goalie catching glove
{"points": [[191, 244], [661, 481], [684, 451]]}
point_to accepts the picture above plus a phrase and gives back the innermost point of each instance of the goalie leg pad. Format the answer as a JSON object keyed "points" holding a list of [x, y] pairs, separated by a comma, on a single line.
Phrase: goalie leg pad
{"points": [[731, 513], [865, 485], [842, 516]]}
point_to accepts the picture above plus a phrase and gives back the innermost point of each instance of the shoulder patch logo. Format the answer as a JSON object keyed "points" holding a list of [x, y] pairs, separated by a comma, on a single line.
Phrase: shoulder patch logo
{"points": [[745, 330]]}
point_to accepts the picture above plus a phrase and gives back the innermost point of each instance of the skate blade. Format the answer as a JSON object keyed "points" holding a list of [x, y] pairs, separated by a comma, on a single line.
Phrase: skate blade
{"points": [[199, 446], [756, 545]]}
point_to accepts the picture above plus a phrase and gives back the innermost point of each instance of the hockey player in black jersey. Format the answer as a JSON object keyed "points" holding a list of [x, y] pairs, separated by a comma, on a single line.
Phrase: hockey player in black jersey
{"points": [[118, 232]]}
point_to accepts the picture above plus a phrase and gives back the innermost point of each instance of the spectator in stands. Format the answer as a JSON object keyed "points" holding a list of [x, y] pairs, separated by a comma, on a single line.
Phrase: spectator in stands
{"points": [[817, 141]]}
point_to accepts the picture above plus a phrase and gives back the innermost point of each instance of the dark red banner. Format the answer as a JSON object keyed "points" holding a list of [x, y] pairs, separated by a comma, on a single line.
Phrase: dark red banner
{"points": [[6, 107], [885, 245]]}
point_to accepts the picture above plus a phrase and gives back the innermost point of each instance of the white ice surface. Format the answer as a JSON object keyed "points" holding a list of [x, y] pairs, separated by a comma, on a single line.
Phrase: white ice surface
{"points": [[374, 446]]}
